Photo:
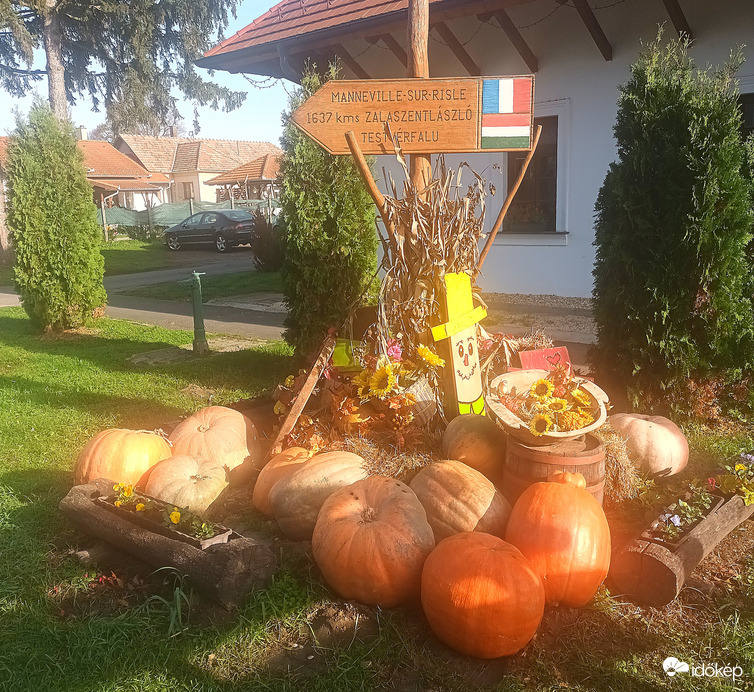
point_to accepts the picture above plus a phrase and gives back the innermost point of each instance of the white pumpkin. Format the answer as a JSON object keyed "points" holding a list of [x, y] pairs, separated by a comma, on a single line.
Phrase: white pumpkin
{"points": [[655, 444]]}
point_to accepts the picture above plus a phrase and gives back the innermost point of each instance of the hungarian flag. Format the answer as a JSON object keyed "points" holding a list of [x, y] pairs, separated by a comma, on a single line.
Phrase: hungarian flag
{"points": [[507, 113]]}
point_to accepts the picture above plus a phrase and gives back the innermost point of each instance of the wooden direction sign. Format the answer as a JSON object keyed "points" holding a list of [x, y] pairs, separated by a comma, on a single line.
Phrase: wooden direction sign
{"points": [[425, 115]]}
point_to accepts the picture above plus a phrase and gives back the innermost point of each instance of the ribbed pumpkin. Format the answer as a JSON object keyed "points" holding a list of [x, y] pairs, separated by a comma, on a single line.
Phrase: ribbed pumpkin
{"points": [[187, 482], [478, 442], [481, 595], [220, 435], [655, 444], [295, 501], [371, 540], [457, 498], [277, 468], [120, 455], [561, 529]]}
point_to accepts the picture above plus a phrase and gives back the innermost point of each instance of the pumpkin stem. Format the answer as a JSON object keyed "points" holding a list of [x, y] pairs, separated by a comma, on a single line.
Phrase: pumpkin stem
{"points": [[567, 478], [368, 515]]}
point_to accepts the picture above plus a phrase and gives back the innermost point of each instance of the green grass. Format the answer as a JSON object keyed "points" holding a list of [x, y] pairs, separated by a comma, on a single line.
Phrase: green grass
{"points": [[221, 286], [130, 256], [57, 392], [6, 274]]}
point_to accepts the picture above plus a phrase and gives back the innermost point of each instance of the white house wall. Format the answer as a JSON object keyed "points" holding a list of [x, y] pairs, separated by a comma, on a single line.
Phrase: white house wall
{"points": [[578, 85]]}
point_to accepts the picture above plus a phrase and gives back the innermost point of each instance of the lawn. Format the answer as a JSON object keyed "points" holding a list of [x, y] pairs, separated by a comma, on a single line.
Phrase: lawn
{"points": [[66, 627], [213, 287]]}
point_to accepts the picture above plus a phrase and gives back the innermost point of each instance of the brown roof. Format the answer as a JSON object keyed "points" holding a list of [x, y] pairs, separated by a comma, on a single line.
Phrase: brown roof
{"points": [[264, 168], [183, 154], [127, 184]]}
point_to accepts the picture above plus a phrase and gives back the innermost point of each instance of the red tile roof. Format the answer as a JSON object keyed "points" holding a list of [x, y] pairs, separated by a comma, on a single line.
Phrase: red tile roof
{"points": [[264, 168]]}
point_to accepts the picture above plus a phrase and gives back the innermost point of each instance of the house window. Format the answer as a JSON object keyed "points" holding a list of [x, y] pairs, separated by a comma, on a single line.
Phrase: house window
{"points": [[188, 190], [746, 102], [534, 207]]}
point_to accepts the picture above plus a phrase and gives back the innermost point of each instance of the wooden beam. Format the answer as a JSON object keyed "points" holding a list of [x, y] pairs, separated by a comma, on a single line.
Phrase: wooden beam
{"points": [[678, 18], [514, 36], [395, 48], [457, 49], [350, 62], [591, 23], [420, 165]]}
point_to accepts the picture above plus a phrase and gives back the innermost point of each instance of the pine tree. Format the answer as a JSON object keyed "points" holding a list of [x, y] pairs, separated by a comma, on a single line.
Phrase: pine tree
{"points": [[59, 267]]}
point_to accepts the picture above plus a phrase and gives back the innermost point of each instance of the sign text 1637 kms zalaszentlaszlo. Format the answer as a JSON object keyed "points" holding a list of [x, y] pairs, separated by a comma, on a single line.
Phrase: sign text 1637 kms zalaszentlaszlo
{"points": [[425, 115]]}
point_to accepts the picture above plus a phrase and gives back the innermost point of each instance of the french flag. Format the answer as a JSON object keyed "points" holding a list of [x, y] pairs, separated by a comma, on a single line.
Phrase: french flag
{"points": [[507, 113]]}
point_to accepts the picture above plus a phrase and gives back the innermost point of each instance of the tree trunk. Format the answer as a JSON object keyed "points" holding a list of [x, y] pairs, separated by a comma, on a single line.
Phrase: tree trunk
{"points": [[53, 38], [418, 66]]}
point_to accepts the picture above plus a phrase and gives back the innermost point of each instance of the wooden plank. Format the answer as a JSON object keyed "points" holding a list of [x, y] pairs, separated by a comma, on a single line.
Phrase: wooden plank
{"points": [[457, 48], [680, 24], [350, 62], [425, 115], [594, 28], [395, 48], [420, 163], [514, 36]]}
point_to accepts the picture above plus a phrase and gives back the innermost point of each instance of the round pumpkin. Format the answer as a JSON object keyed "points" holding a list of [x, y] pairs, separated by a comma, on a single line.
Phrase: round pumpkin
{"points": [[481, 595], [187, 482], [457, 498], [277, 468], [220, 435], [295, 501], [561, 529], [119, 455], [371, 540], [478, 442], [655, 444]]}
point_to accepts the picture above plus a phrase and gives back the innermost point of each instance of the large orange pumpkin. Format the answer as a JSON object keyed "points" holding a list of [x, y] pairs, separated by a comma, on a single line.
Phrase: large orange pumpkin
{"points": [[458, 498], [478, 442], [187, 482], [120, 455], [481, 595], [220, 435], [563, 532], [655, 444], [371, 540], [277, 468], [295, 501]]}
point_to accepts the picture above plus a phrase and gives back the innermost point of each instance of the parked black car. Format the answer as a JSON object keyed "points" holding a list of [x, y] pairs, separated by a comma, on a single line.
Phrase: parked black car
{"points": [[224, 229]]}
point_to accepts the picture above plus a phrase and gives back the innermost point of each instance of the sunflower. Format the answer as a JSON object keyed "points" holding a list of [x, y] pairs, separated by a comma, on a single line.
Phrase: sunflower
{"points": [[430, 357], [361, 382], [557, 405], [581, 397], [382, 382], [541, 389], [540, 424]]}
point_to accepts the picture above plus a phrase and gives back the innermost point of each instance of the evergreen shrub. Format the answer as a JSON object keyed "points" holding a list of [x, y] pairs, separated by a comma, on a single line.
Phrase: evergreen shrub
{"points": [[672, 279], [59, 268]]}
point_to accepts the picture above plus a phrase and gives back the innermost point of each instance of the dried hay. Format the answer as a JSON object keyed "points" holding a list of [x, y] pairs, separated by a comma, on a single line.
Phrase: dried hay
{"points": [[384, 459], [622, 479]]}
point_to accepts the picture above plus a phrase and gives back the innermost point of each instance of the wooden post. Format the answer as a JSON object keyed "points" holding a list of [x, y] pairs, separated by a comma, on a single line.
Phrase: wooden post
{"points": [[104, 216], [418, 66]]}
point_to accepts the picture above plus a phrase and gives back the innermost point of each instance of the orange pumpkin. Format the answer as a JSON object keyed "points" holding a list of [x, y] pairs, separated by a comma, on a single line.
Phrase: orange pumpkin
{"points": [[478, 442], [371, 540], [187, 482], [457, 498], [123, 456], [295, 500], [561, 529], [655, 444], [481, 595], [277, 468], [220, 435]]}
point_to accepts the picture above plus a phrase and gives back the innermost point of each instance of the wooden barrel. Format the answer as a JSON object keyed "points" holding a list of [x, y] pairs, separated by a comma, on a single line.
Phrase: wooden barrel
{"points": [[526, 464]]}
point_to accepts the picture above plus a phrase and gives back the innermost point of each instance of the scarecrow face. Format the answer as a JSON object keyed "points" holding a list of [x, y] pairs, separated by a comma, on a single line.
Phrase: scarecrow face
{"points": [[466, 366]]}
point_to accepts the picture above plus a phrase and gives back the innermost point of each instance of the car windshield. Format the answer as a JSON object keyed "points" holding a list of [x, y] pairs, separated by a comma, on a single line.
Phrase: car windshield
{"points": [[238, 215]]}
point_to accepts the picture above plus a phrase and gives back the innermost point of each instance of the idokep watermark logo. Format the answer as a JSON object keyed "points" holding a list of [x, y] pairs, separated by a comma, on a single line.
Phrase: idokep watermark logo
{"points": [[672, 666]]}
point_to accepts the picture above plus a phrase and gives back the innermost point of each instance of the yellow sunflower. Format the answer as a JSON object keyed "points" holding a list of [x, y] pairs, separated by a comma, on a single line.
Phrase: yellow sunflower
{"points": [[581, 397], [557, 405], [541, 389], [540, 424], [430, 357], [382, 382]]}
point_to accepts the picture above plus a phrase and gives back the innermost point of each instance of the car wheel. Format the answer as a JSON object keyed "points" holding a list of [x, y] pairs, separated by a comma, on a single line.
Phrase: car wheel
{"points": [[221, 243], [173, 242]]}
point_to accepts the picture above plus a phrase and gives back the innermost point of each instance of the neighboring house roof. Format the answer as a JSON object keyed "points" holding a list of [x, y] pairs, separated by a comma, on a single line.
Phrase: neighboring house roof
{"points": [[4, 152], [185, 155], [263, 168]]}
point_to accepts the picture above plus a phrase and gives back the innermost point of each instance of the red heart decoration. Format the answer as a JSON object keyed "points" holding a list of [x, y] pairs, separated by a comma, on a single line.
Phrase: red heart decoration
{"points": [[553, 359]]}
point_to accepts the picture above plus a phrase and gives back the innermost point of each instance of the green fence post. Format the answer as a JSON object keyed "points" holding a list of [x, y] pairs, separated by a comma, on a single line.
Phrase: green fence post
{"points": [[200, 344]]}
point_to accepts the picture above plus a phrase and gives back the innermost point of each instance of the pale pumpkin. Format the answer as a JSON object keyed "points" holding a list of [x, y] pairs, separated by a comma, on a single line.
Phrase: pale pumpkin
{"points": [[220, 435], [187, 482], [277, 468], [296, 500], [371, 540], [655, 444], [457, 498], [481, 596], [478, 442], [561, 529], [119, 455]]}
